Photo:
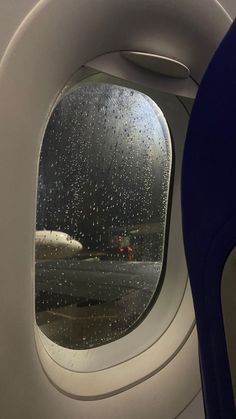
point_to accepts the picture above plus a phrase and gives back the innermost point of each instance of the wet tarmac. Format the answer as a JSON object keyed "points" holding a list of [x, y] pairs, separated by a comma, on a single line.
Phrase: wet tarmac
{"points": [[86, 303]]}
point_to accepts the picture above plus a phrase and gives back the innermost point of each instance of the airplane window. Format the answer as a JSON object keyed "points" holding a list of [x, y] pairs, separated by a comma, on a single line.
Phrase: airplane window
{"points": [[102, 200]]}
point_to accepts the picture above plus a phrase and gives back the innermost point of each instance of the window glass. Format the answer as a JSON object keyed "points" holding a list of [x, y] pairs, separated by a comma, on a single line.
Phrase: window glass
{"points": [[103, 186]]}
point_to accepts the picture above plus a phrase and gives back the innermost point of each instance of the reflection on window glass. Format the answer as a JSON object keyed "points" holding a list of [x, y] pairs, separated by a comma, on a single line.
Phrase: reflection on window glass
{"points": [[103, 185]]}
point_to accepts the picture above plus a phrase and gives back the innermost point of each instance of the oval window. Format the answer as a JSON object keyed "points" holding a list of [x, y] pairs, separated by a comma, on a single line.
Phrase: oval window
{"points": [[103, 186]]}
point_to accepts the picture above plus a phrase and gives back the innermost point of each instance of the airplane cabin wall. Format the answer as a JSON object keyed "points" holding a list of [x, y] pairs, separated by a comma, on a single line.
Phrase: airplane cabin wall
{"points": [[25, 389]]}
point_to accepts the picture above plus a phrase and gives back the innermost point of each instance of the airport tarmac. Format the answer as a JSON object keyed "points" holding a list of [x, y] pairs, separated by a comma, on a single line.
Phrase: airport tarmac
{"points": [[86, 303]]}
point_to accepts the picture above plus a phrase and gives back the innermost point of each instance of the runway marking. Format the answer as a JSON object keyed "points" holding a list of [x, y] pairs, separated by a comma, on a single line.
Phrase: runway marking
{"points": [[67, 316]]}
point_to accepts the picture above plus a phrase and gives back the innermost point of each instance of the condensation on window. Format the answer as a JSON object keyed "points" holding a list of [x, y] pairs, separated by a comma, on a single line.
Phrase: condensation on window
{"points": [[103, 187]]}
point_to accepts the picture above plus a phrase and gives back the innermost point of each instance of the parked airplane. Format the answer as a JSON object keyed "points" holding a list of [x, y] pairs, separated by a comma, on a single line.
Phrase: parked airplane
{"points": [[55, 245]]}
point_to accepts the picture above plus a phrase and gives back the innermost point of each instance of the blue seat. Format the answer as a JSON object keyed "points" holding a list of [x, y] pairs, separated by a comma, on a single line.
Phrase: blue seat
{"points": [[209, 217]]}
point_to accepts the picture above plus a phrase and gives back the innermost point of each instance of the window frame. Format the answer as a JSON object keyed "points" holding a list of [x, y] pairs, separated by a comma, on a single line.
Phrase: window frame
{"points": [[147, 335]]}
